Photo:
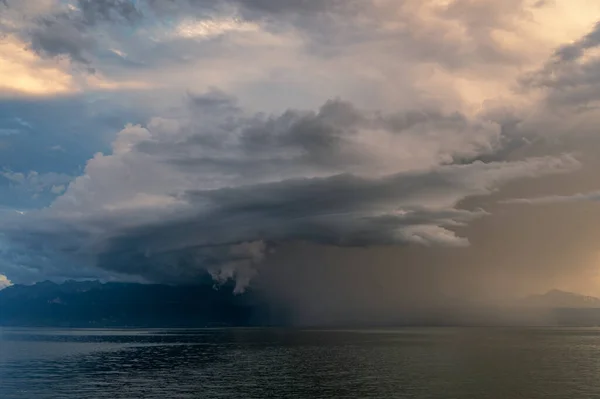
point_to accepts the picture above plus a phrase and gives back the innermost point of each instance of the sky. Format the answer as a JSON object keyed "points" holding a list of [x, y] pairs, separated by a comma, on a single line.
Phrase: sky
{"points": [[363, 152]]}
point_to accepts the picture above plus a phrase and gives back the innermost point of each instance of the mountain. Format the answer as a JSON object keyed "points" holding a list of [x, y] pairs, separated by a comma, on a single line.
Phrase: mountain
{"points": [[557, 299], [96, 304]]}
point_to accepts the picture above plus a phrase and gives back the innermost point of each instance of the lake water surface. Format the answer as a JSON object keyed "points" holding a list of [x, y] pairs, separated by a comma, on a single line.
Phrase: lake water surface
{"points": [[269, 363]]}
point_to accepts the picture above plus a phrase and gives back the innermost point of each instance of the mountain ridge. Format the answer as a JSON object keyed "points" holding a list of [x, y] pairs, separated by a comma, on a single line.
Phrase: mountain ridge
{"points": [[115, 304], [133, 305], [556, 298]]}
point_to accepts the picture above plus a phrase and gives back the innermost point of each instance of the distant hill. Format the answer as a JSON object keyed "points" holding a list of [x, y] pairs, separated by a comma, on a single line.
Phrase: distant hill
{"points": [[94, 304], [557, 299]]}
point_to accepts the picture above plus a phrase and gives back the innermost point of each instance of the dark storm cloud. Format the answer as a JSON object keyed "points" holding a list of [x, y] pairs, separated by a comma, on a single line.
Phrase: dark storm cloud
{"points": [[73, 32], [68, 33], [572, 75], [337, 138], [572, 52], [276, 179], [227, 231], [62, 36], [95, 11], [328, 28]]}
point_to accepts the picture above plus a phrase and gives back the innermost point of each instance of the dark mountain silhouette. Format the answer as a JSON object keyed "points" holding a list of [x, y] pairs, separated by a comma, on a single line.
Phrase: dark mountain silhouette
{"points": [[94, 304], [558, 299]]}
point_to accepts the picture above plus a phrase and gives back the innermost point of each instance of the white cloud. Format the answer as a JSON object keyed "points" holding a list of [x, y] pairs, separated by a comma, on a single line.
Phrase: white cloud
{"points": [[33, 182], [202, 29], [4, 282]]}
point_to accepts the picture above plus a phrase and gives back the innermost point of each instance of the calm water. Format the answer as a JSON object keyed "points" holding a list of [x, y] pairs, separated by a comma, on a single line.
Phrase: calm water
{"points": [[405, 363]]}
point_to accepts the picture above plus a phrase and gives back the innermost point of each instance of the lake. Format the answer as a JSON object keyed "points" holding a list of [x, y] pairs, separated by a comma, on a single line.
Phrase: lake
{"points": [[444, 363]]}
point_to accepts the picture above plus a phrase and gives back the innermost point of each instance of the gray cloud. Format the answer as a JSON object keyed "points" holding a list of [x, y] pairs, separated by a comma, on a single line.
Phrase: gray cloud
{"points": [[452, 35], [254, 9], [571, 76], [557, 199], [338, 138], [543, 3], [572, 52], [69, 31], [62, 36], [25, 188], [95, 11], [339, 211], [72, 32]]}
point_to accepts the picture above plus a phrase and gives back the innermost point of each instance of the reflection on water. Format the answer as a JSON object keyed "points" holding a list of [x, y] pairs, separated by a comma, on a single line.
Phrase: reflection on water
{"points": [[242, 363]]}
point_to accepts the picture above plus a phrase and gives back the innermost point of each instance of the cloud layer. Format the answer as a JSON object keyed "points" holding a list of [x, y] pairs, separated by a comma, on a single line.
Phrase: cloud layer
{"points": [[557, 199], [214, 188]]}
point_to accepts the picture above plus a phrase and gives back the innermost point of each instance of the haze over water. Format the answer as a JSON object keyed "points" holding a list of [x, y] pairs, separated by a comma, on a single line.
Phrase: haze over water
{"points": [[268, 363]]}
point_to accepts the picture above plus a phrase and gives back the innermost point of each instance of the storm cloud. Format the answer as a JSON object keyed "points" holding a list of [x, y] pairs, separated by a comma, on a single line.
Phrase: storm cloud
{"points": [[571, 77], [216, 188]]}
